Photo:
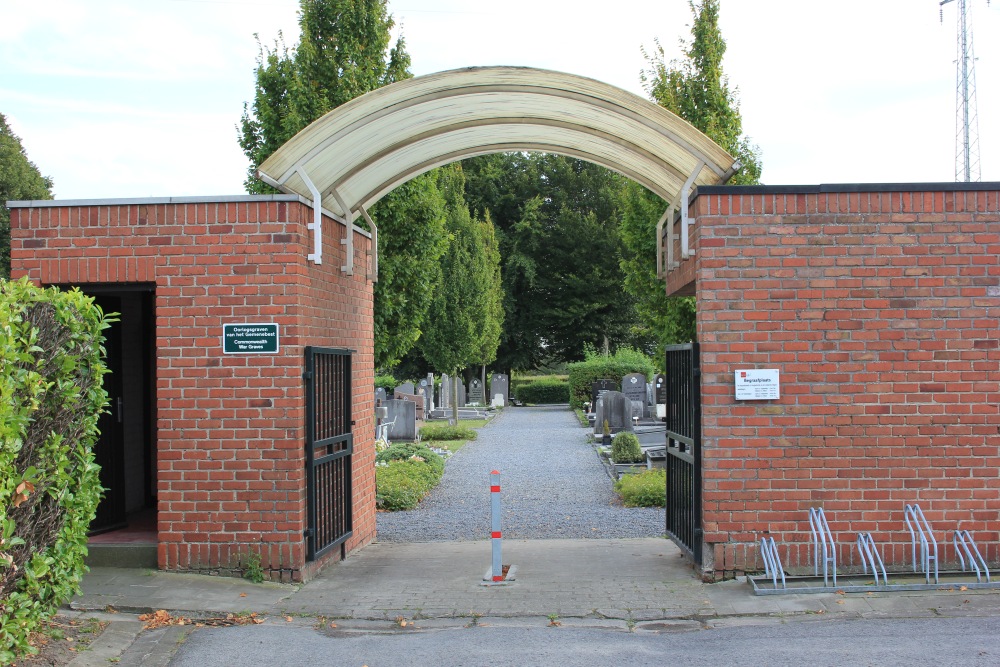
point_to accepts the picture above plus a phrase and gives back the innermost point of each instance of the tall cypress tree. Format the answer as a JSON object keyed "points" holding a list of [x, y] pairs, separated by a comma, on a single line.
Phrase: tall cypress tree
{"points": [[343, 52], [697, 90]]}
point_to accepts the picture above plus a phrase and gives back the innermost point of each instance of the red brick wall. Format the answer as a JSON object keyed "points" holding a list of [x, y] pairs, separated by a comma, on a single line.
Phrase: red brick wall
{"points": [[230, 428], [881, 310]]}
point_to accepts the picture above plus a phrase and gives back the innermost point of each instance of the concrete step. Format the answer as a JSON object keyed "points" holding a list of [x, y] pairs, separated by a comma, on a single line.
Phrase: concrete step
{"points": [[136, 555]]}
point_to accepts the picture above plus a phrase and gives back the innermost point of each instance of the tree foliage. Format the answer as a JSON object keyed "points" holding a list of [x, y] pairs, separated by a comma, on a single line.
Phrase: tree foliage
{"points": [[557, 223], [697, 90], [19, 179], [343, 52], [51, 395], [466, 314]]}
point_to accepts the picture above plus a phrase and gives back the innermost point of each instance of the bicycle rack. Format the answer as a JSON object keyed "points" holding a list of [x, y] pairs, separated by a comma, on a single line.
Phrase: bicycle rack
{"points": [[772, 562], [964, 543], [918, 527], [870, 557], [823, 546]]}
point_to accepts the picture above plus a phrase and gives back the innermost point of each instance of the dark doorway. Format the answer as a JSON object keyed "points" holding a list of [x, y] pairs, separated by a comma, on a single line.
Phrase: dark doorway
{"points": [[126, 448]]}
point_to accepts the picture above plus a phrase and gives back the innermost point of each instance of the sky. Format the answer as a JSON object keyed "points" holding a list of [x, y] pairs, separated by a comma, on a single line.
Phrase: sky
{"points": [[142, 98]]}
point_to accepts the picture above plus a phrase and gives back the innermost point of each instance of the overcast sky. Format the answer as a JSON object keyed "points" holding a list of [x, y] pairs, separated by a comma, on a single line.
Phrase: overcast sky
{"points": [[136, 98]]}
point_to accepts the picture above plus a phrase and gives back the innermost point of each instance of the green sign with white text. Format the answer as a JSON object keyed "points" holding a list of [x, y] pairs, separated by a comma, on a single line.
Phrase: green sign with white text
{"points": [[249, 338]]}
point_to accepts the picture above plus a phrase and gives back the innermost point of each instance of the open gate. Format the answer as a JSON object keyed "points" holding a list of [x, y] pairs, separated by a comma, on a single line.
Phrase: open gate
{"points": [[329, 449], [683, 421]]}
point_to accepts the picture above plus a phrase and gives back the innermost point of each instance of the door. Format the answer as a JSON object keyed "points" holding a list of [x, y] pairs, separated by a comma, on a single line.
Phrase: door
{"points": [[109, 451]]}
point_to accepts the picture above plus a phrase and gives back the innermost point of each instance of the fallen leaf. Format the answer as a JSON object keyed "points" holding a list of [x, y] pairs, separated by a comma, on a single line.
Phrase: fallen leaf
{"points": [[243, 595], [333, 625], [288, 619], [963, 588], [841, 593], [840, 602]]}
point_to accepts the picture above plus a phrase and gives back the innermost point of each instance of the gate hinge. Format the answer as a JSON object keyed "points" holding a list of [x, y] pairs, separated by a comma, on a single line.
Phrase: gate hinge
{"points": [[696, 372], [308, 532], [307, 375]]}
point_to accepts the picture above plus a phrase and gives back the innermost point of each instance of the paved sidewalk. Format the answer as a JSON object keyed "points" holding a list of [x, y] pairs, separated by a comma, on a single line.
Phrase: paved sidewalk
{"points": [[585, 583]]}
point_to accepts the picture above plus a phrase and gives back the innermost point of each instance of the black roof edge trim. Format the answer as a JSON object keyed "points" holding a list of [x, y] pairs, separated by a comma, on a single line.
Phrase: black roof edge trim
{"points": [[844, 188]]}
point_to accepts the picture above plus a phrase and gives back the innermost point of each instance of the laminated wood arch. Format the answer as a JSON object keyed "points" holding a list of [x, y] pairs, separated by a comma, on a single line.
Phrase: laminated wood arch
{"points": [[358, 152]]}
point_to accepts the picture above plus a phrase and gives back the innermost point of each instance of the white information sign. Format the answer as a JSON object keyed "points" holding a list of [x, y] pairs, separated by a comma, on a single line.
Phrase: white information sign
{"points": [[759, 384]]}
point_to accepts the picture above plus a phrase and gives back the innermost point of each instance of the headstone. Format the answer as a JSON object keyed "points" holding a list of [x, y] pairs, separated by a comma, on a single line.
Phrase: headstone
{"points": [[500, 384], [402, 415], [650, 396], [444, 396], [660, 389], [461, 391], [598, 388], [477, 394], [634, 387], [426, 389], [417, 400], [405, 388], [380, 396], [615, 407]]}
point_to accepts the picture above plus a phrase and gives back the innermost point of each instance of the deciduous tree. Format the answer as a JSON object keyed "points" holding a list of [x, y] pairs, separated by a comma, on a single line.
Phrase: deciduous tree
{"points": [[19, 179]]}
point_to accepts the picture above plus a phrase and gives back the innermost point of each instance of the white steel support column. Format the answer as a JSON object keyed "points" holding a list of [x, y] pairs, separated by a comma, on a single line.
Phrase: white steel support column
{"points": [[373, 276], [686, 251], [317, 224], [348, 266]]}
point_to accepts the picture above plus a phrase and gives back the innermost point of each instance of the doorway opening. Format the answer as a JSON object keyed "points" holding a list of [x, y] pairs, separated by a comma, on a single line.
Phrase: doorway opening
{"points": [[126, 447]]}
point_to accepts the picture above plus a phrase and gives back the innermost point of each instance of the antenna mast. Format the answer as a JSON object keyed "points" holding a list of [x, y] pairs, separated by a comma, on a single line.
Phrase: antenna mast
{"points": [[967, 166]]}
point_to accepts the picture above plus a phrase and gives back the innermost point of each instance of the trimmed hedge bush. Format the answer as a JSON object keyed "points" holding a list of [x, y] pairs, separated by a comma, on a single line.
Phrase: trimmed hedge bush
{"points": [[404, 474], [51, 396], [545, 391], [583, 374], [446, 432], [625, 449], [645, 489], [386, 382]]}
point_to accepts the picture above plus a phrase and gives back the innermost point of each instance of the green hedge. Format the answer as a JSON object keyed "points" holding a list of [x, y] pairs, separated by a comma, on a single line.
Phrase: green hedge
{"points": [[543, 391], [404, 474], [583, 374], [446, 432], [51, 396], [645, 489], [386, 382]]}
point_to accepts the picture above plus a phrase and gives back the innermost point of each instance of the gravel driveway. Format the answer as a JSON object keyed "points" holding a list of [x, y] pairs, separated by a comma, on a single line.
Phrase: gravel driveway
{"points": [[554, 486]]}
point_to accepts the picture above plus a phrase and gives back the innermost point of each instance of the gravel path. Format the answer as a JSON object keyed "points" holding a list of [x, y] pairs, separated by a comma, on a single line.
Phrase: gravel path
{"points": [[554, 486]]}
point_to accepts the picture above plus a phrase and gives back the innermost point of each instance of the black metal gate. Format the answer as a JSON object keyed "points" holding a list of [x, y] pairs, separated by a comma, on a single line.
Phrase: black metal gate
{"points": [[683, 419], [329, 449]]}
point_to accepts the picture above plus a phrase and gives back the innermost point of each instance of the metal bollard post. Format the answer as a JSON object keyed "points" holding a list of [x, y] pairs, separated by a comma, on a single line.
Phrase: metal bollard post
{"points": [[496, 534]]}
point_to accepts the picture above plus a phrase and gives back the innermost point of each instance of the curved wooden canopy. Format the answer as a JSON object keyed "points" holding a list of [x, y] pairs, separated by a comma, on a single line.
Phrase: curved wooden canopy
{"points": [[363, 149]]}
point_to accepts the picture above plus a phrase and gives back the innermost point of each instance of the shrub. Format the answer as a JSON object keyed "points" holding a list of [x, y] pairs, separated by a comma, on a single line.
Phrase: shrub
{"points": [[583, 374], [400, 485], [543, 391], [446, 432], [645, 489], [386, 382], [408, 451], [625, 449], [51, 396]]}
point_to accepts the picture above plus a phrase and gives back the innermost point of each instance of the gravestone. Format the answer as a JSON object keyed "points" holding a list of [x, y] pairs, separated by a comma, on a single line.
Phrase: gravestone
{"points": [[461, 391], [634, 387], [402, 415], [476, 392], [405, 388], [444, 396], [615, 407], [660, 398], [598, 388], [500, 384], [417, 400], [426, 389], [660, 389], [380, 396]]}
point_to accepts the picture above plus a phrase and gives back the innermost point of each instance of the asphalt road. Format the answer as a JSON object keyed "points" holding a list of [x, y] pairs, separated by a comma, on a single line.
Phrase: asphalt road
{"points": [[937, 642]]}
